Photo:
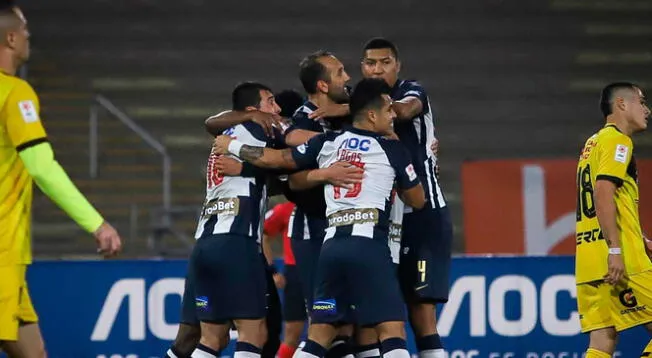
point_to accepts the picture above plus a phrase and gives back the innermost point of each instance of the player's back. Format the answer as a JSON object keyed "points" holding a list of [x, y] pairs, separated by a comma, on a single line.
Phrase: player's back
{"points": [[19, 128], [608, 155], [235, 204], [362, 210]]}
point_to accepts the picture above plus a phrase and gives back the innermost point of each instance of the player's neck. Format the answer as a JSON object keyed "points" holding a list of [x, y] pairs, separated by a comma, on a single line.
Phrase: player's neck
{"points": [[320, 100], [365, 126], [620, 124], [7, 64]]}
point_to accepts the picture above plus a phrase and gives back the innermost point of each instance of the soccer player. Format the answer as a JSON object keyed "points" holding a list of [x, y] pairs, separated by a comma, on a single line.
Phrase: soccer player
{"points": [[358, 220], [612, 269], [26, 157], [277, 222], [427, 233]]}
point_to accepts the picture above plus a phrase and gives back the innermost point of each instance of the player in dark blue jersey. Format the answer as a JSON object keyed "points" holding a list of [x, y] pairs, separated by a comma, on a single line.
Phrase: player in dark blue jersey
{"points": [[353, 288], [425, 250]]}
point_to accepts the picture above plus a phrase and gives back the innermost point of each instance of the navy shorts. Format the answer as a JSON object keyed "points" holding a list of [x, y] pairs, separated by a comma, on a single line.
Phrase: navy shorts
{"points": [[356, 288], [228, 275], [294, 305], [188, 312], [424, 267]]}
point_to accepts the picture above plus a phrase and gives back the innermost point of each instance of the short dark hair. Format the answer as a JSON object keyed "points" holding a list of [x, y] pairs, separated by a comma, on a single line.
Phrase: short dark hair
{"points": [[311, 71], [289, 101], [608, 95], [380, 43], [247, 94], [367, 94]]}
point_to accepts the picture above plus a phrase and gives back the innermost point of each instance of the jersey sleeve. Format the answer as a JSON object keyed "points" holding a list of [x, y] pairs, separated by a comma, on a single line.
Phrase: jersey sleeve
{"points": [[615, 155], [21, 111], [305, 155], [399, 159], [301, 121], [414, 89]]}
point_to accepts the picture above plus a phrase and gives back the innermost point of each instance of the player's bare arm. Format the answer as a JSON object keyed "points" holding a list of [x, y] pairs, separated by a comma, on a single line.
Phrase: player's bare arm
{"points": [[218, 123], [414, 197], [299, 136], [330, 110], [340, 174], [606, 211], [259, 156], [407, 108]]}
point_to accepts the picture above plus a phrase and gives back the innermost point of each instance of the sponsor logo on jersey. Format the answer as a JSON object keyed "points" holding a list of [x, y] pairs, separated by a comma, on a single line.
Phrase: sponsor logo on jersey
{"points": [[28, 111], [222, 206], [353, 216]]}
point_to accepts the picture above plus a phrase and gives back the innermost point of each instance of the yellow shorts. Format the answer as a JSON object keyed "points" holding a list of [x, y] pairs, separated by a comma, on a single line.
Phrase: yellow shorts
{"points": [[624, 306], [15, 304]]}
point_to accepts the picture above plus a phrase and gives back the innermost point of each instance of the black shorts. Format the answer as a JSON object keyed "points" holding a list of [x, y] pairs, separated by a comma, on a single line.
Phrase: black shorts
{"points": [[306, 254], [188, 313], [228, 276], [424, 267], [356, 288], [294, 305]]}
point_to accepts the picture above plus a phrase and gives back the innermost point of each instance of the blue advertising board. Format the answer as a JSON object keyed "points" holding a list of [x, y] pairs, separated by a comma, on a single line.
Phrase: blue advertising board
{"points": [[499, 308]]}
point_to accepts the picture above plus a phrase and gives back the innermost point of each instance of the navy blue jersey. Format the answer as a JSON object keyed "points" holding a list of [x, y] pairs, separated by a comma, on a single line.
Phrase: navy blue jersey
{"points": [[235, 205], [417, 135], [364, 209]]}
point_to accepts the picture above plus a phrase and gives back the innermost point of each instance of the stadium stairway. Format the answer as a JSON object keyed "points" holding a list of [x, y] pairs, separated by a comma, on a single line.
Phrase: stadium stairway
{"points": [[508, 79]]}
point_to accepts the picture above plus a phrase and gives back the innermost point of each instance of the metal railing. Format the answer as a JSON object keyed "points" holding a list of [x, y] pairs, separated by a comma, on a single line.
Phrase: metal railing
{"points": [[101, 102]]}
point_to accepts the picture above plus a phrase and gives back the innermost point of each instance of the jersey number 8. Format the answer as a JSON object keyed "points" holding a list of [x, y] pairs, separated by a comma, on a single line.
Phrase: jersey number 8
{"points": [[585, 204]]}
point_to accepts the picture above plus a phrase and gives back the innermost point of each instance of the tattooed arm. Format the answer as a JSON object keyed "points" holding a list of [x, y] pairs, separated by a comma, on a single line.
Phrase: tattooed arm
{"points": [[259, 156]]}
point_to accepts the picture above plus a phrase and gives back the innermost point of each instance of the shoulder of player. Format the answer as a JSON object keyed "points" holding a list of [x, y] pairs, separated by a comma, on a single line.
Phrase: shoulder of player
{"points": [[17, 85], [252, 128], [407, 85], [611, 134]]}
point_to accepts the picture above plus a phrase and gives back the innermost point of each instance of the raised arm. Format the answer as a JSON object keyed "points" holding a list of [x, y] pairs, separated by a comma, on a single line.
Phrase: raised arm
{"points": [[220, 122], [341, 174]]}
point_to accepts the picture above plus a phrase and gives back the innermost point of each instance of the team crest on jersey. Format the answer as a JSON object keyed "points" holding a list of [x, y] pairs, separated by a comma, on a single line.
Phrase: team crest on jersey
{"points": [[621, 153], [28, 111]]}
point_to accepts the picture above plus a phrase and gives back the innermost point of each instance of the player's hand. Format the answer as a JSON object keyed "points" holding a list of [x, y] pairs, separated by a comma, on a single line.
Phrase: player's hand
{"points": [[616, 269], [268, 121], [434, 147], [332, 110], [108, 241], [344, 174], [279, 280], [221, 144], [227, 166]]}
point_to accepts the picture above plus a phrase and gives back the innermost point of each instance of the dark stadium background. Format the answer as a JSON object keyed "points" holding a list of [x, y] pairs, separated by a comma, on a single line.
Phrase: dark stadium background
{"points": [[508, 79]]}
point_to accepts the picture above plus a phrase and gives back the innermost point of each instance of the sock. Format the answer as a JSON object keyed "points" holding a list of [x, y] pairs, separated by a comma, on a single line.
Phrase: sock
{"points": [[297, 352], [647, 351], [246, 350], [368, 351], [394, 348], [594, 353], [285, 351], [204, 352], [312, 349], [430, 347], [340, 348]]}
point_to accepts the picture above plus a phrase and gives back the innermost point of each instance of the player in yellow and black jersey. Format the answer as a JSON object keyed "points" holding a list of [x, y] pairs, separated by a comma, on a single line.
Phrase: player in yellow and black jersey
{"points": [[26, 157], [612, 268]]}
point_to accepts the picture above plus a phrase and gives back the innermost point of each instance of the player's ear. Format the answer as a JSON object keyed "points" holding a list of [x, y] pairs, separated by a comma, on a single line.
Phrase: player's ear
{"points": [[398, 65], [250, 108], [619, 103], [322, 86]]}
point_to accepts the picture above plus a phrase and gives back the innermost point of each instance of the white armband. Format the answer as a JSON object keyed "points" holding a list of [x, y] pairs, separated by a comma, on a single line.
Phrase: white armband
{"points": [[615, 251]]}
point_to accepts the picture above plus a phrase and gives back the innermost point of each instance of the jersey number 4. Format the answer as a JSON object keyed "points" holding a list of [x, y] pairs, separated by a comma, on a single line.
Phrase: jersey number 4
{"points": [[585, 204], [353, 192]]}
